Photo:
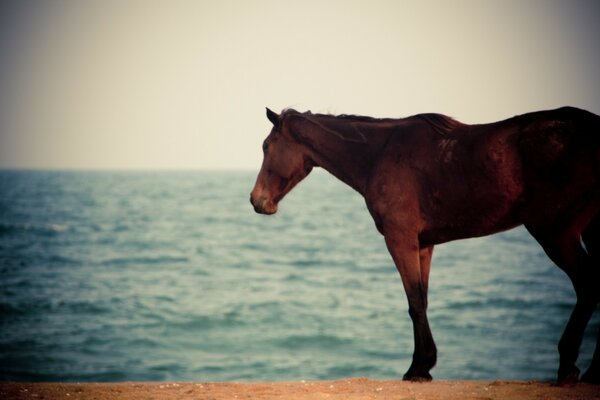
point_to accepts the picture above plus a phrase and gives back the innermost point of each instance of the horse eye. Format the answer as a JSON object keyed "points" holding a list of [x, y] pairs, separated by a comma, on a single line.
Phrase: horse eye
{"points": [[265, 146]]}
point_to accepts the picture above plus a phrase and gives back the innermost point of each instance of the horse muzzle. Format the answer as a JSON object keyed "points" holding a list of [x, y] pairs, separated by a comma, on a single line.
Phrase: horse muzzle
{"points": [[262, 205]]}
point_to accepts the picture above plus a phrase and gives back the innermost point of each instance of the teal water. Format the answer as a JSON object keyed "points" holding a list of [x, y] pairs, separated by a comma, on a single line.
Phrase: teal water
{"points": [[172, 276]]}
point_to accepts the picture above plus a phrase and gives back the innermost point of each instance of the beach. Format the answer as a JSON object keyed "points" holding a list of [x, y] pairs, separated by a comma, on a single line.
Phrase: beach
{"points": [[347, 389]]}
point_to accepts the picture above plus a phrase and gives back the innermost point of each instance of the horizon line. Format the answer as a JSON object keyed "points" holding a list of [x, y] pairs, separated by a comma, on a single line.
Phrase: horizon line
{"points": [[127, 169]]}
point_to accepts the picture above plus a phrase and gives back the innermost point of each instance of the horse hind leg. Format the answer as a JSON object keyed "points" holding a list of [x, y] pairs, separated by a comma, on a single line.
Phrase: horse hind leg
{"points": [[591, 239], [565, 250]]}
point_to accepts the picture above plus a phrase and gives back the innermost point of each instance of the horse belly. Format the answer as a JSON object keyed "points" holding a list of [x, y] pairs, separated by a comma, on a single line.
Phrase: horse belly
{"points": [[479, 220]]}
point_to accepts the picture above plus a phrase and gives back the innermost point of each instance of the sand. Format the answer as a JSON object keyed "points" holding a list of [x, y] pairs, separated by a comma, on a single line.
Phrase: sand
{"points": [[347, 389]]}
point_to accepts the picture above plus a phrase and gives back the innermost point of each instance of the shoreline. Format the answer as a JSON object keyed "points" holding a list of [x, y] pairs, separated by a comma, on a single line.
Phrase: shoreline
{"points": [[350, 388]]}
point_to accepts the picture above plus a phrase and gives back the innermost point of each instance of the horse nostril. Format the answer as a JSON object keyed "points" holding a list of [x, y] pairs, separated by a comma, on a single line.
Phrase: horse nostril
{"points": [[256, 200], [262, 205], [257, 203]]}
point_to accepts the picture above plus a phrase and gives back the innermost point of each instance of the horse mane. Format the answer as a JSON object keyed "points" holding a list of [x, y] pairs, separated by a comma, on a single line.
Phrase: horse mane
{"points": [[343, 117], [341, 126], [358, 118], [440, 123]]}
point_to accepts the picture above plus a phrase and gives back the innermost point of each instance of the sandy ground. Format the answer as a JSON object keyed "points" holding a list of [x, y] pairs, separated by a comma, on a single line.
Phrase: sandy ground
{"points": [[347, 389]]}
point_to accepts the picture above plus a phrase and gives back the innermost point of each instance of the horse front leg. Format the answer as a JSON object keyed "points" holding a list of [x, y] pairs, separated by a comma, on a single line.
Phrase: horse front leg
{"points": [[413, 264]]}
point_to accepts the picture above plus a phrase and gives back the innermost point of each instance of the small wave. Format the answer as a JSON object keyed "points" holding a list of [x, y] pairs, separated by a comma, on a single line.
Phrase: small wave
{"points": [[293, 277], [27, 307], [85, 307], [8, 309], [56, 259], [123, 261], [57, 227], [305, 263], [209, 322], [349, 370], [44, 229], [496, 303], [383, 355], [318, 341]]}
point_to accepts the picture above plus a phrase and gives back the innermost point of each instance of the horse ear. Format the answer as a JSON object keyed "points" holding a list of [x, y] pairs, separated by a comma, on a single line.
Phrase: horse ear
{"points": [[273, 117]]}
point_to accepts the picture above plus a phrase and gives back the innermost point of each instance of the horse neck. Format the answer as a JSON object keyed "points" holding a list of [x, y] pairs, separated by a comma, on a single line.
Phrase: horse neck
{"points": [[347, 161]]}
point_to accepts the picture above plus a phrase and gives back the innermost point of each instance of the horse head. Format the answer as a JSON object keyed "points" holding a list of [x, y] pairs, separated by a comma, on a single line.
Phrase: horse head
{"points": [[285, 163]]}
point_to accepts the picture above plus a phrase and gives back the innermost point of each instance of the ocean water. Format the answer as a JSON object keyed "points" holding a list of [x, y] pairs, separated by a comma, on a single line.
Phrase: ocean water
{"points": [[112, 276]]}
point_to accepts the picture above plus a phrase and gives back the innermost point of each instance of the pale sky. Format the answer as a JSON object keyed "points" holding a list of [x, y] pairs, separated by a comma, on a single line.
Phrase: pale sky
{"points": [[183, 84]]}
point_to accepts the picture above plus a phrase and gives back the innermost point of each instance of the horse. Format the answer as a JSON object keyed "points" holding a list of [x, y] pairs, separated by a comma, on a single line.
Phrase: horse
{"points": [[430, 179]]}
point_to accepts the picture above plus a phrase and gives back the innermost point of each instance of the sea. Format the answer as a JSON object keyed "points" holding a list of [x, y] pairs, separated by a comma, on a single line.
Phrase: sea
{"points": [[171, 276]]}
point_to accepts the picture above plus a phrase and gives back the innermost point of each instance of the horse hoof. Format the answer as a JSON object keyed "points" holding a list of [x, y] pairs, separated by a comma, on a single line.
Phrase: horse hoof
{"points": [[426, 377], [568, 378], [591, 376]]}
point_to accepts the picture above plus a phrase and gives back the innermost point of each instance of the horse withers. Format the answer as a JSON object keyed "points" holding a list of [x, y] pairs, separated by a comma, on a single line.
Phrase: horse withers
{"points": [[429, 179]]}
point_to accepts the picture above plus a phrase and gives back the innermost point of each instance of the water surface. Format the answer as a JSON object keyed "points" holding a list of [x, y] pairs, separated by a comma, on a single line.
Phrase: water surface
{"points": [[172, 276]]}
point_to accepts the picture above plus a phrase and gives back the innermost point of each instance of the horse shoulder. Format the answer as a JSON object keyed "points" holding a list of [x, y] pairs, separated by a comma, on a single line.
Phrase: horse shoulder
{"points": [[392, 194]]}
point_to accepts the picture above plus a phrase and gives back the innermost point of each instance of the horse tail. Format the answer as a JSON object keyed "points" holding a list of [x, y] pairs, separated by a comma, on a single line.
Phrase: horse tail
{"points": [[597, 167], [587, 125], [595, 134]]}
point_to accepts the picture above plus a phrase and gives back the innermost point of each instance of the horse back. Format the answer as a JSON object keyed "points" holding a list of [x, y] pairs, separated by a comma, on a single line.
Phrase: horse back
{"points": [[474, 180]]}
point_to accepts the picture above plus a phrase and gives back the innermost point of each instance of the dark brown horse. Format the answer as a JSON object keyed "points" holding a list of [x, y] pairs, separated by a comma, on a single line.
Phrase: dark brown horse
{"points": [[429, 179]]}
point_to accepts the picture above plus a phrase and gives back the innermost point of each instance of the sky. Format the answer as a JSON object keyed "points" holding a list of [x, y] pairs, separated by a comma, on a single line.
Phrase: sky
{"points": [[177, 84]]}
